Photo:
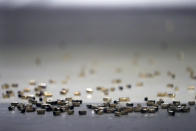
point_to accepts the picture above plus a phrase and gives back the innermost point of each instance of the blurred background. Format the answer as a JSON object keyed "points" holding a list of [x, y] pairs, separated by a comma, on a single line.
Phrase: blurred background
{"points": [[79, 44], [93, 42]]}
